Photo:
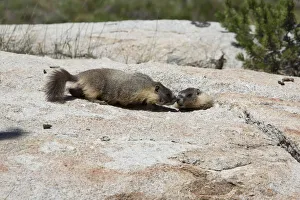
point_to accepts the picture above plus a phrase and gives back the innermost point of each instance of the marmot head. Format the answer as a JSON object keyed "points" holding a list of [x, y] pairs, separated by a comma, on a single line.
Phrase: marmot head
{"points": [[187, 96], [164, 95], [193, 98]]}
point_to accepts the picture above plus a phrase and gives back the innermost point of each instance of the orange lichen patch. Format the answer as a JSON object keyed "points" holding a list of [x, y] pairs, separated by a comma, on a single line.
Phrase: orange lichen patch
{"points": [[102, 174], [292, 131], [3, 168]]}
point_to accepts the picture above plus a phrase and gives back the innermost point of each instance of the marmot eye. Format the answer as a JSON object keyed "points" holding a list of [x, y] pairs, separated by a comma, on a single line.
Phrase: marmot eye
{"points": [[169, 95], [189, 95], [156, 88]]}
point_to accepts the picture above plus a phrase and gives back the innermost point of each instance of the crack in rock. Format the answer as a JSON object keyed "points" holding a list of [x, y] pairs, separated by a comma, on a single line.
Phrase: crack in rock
{"points": [[217, 162], [276, 135], [232, 167]]}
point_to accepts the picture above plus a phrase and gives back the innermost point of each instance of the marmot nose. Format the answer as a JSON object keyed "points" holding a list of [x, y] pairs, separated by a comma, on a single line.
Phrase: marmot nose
{"points": [[179, 101], [174, 99]]}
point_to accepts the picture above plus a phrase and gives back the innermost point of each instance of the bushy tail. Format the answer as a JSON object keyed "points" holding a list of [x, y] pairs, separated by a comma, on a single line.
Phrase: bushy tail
{"points": [[55, 87]]}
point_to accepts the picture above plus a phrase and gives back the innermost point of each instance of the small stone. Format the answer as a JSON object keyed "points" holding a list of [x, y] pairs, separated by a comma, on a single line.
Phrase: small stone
{"points": [[196, 162], [47, 126], [105, 138]]}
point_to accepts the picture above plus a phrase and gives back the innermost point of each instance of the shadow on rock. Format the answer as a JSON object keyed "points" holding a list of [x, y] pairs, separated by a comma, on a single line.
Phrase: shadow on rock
{"points": [[11, 134], [152, 108], [190, 109], [70, 98]]}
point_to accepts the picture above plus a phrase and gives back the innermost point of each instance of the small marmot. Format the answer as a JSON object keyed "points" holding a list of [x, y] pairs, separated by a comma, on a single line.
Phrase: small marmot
{"points": [[109, 86], [193, 99]]}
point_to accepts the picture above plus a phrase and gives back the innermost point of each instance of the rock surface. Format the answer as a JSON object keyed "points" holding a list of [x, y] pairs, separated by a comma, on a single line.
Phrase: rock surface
{"points": [[245, 147]]}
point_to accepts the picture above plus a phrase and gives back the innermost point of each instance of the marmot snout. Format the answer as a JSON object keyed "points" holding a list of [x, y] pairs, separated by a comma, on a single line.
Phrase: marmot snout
{"points": [[193, 98]]}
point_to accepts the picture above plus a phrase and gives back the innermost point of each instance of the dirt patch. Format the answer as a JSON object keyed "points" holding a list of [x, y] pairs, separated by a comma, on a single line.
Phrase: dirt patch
{"points": [[127, 196]]}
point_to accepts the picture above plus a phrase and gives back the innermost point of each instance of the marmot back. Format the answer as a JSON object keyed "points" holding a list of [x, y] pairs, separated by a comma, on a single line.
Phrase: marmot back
{"points": [[110, 86], [193, 99]]}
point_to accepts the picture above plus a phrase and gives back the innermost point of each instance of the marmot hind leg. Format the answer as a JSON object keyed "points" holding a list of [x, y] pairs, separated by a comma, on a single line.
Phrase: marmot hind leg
{"points": [[93, 95], [76, 92]]}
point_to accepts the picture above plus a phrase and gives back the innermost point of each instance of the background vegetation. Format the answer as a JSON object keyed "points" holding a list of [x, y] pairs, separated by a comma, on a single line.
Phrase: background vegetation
{"points": [[58, 11], [272, 46], [269, 33]]}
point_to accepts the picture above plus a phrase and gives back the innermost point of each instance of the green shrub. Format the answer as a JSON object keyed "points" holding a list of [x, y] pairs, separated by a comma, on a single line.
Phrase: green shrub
{"points": [[268, 32]]}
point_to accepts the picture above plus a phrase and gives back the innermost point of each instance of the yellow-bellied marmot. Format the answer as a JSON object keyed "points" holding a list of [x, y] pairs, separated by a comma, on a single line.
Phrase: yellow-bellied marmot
{"points": [[193, 99], [109, 86]]}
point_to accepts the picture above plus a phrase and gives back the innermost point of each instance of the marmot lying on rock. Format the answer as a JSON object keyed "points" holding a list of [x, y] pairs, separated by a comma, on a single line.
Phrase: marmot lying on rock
{"points": [[193, 99], [109, 86]]}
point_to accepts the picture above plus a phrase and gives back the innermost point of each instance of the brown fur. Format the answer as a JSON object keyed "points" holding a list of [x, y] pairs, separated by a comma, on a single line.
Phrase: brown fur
{"points": [[109, 86], [193, 99]]}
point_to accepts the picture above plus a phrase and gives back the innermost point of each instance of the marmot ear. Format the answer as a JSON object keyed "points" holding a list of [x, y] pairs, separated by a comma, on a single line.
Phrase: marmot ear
{"points": [[157, 88], [198, 92]]}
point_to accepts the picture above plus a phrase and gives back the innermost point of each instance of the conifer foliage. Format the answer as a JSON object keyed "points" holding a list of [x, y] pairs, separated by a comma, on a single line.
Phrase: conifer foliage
{"points": [[269, 33]]}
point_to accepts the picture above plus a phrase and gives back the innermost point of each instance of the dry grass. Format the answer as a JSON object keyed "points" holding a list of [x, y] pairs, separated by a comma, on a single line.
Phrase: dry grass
{"points": [[25, 39]]}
